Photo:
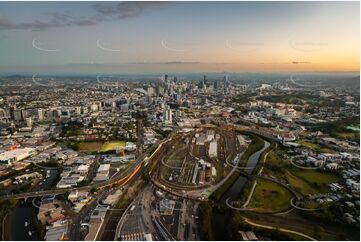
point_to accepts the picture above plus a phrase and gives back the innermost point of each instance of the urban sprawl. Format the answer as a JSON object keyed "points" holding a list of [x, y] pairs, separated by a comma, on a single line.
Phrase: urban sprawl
{"points": [[203, 157]]}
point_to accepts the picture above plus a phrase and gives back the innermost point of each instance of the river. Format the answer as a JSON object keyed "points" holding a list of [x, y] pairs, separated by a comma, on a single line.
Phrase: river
{"points": [[221, 220], [27, 213]]}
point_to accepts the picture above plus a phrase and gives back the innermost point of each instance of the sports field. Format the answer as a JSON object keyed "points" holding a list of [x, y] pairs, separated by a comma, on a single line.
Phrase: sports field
{"points": [[89, 146], [112, 145]]}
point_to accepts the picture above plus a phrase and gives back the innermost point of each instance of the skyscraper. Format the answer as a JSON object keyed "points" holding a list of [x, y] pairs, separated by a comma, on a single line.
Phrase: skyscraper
{"points": [[40, 114], [29, 122], [167, 115]]}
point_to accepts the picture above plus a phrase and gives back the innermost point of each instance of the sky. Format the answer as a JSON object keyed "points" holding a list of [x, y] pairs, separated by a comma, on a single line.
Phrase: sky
{"points": [[148, 37]]}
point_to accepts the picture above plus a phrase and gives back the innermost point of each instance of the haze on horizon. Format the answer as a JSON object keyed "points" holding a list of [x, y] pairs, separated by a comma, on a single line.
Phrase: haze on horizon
{"points": [[140, 37]]}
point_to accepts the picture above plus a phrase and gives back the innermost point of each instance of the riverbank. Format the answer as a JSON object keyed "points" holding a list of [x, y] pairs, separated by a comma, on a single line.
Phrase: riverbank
{"points": [[21, 223], [220, 218], [6, 207], [256, 145]]}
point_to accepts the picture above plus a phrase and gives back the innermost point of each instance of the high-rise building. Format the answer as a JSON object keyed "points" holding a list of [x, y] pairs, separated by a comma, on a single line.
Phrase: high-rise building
{"points": [[160, 90], [29, 122], [167, 115], [25, 114], [200, 84], [41, 114], [225, 84], [18, 115], [215, 85], [78, 110], [150, 91], [94, 107]]}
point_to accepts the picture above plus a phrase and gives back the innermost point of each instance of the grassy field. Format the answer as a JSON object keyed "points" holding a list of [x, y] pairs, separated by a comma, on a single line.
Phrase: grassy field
{"points": [[315, 176], [274, 159], [112, 145], [90, 146], [340, 128], [315, 147], [270, 197], [308, 182], [299, 185], [349, 135]]}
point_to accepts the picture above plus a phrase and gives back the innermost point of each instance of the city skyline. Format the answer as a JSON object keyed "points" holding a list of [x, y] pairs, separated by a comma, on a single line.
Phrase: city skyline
{"points": [[148, 37]]}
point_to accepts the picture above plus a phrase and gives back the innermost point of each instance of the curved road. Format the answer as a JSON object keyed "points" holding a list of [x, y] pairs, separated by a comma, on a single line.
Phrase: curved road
{"points": [[280, 229], [114, 181], [120, 179]]}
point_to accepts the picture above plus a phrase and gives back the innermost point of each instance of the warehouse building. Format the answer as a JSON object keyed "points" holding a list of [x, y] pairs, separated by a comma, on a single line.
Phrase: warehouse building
{"points": [[8, 157]]}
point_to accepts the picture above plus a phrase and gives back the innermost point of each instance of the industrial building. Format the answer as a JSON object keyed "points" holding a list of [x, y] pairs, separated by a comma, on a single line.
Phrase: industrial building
{"points": [[103, 173], [8, 157]]}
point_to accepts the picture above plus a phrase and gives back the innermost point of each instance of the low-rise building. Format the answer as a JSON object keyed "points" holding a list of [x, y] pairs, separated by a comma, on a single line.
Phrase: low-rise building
{"points": [[8, 157]]}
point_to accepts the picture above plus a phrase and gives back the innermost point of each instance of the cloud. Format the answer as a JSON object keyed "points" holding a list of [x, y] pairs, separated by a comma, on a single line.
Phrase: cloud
{"points": [[300, 62], [103, 12], [179, 63], [124, 10], [168, 63], [56, 20]]}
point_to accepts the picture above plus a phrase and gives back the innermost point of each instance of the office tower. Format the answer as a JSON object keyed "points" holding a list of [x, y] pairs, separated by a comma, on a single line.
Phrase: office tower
{"points": [[225, 83], [150, 91], [29, 122], [18, 116], [200, 84], [167, 115], [24, 114], [215, 85], [41, 114]]}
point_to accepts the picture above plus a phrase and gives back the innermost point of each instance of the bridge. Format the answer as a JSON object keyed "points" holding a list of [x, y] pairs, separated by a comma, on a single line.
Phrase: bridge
{"points": [[118, 180]]}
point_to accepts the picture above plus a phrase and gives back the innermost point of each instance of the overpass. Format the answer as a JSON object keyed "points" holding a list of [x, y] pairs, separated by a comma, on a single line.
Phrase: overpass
{"points": [[118, 180]]}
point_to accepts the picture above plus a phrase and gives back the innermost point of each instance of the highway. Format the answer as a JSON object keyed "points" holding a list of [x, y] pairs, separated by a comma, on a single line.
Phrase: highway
{"points": [[119, 179]]}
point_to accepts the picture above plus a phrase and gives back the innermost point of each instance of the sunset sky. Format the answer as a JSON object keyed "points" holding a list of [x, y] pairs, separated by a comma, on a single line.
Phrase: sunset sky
{"points": [[140, 37]]}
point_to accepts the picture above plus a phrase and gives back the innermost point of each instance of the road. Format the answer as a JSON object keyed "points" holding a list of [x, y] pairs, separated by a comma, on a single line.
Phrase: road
{"points": [[116, 180], [113, 181], [76, 221], [280, 229]]}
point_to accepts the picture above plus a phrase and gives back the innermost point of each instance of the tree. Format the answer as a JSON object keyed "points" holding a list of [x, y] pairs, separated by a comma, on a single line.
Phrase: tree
{"points": [[93, 190]]}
